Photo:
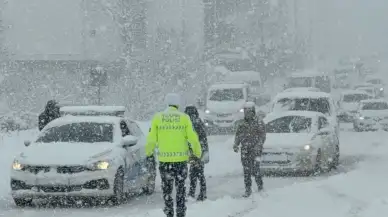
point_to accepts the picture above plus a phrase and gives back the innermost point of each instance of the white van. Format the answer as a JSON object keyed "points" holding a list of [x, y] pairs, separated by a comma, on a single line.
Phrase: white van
{"points": [[310, 79], [252, 78]]}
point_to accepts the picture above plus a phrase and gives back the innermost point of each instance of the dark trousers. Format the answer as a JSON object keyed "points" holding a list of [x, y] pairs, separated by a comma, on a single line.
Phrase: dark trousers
{"points": [[170, 173], [197, 172], [251, 168]]}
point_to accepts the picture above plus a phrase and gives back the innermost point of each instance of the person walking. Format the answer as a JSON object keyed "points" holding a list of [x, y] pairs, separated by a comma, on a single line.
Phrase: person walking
{"points": [[170, 133], [50, 113], [197, 166], [251, 136]]}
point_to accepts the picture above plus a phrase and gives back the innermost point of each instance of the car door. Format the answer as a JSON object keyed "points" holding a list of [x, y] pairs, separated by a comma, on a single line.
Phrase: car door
{"points": [[132, 166], [326, 138], [139, 151]]}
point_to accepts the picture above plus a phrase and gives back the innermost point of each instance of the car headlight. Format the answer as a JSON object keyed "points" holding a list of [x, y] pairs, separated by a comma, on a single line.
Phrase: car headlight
{"points": [[241, 110], [361, 118], [207, 111], [17, 166], [100, 165], [381, 89], [307, 147]]}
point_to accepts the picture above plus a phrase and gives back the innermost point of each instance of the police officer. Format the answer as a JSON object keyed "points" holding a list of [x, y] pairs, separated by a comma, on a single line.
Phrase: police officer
{"points": [[171, 133], [251, 136]]}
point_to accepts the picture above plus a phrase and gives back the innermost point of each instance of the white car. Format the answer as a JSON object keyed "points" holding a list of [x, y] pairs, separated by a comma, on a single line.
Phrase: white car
{"points": [[299, 141], [83, 155], [308, 101], [377, 82], [302, 89], [372, 115], [349, 102], [224, 106]]}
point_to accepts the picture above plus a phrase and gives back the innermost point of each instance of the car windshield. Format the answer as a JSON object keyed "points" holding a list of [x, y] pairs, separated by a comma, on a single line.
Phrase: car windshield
{"points": [[300, 82], [236, 65], [303, 104], [374, 81], [355, 97], [375, 106], [370, 91], [232, 94], [84, 132], [289, 124]]}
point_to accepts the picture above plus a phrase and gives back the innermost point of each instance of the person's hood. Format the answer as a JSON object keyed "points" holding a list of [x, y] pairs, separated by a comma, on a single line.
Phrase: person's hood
{"points": [[374, 113], [225, 106], [287, 140], [64, 153], [192, 112], [349, 106]]}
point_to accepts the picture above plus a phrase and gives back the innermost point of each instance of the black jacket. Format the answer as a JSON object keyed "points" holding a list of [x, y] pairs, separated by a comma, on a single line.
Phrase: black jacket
{"points": [[198, 126], [50, 113], [250, 134]]}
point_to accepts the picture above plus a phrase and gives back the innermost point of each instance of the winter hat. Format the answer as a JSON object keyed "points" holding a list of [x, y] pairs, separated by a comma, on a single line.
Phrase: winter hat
{"points": [[173, 99]]}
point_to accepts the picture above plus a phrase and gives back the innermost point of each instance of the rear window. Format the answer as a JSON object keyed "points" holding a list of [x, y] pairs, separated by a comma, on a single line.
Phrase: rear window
{"points": [[375, 106], [374, 81]]}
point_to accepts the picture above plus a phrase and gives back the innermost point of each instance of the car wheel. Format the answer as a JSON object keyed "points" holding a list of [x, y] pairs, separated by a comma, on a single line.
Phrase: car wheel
{"points": [[150, 186], [318, 164], [118, 188], [22, 202], [335, 162]]}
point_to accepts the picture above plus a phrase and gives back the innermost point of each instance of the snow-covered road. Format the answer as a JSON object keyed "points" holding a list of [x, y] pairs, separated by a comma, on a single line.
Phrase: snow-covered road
{"points": [[224, 182]]}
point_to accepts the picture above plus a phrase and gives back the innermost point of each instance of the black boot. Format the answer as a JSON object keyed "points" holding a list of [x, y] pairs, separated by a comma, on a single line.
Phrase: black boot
{"points": [[247, 193], [201, 197]]}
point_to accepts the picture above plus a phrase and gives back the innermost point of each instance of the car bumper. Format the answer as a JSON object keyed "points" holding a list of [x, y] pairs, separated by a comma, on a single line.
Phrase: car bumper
{"points": [[296, 162], [84, 184], [222, 123]]}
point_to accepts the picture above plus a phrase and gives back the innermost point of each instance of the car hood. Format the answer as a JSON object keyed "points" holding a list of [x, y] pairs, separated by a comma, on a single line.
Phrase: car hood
{"points": [[64, 153], [374, 113], [349, 106], [225, 106], [287, 140]]}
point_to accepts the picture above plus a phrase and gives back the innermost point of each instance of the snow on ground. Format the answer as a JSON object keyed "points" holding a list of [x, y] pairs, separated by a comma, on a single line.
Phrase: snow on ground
{"points": [[337, 193]]}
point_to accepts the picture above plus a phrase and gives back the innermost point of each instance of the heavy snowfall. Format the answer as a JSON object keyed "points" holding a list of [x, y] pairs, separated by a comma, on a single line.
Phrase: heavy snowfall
{"points": [[82, 80]]}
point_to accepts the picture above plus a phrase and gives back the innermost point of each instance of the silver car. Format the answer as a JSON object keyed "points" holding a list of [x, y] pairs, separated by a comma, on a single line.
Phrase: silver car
{"points": [[372, 115]]}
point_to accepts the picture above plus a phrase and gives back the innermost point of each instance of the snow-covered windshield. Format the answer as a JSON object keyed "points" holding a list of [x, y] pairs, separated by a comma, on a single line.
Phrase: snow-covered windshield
{"points": [[355, 97], [231, 94], [303, 104], [374, 81], [375, 106], [300, 82], [235, 65], [289, 124], [84, 132]]}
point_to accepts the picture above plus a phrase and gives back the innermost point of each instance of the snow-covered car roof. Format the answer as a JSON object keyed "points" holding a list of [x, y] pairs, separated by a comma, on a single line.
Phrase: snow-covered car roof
{"points": [[350, 92], [302, 89], [307, 73], [228, 85], [81, 119], [275, 115], [363, 85], [243, 74], [296, 95], [93, 110], [374, 101]]}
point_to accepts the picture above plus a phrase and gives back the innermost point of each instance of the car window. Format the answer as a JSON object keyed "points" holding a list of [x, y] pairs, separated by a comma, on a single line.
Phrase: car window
{"points": [[289, 124], [124, 129], [322, 123], [135, 129], [321, 105]]}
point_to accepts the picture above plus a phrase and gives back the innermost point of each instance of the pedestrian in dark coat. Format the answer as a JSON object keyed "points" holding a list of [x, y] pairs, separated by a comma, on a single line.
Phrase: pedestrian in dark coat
{"points": [[197, 166], [50, 113], [251, 136]]}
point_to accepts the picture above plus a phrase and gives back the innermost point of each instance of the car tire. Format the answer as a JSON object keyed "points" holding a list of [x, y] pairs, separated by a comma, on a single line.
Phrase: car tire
{"points": [[149, 189], [118, 188], [22, 202], [318, 164], [335, 162]]}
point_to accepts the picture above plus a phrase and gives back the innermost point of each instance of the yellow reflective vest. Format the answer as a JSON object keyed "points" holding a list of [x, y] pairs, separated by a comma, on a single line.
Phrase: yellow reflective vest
{"points": [[171, 132]]}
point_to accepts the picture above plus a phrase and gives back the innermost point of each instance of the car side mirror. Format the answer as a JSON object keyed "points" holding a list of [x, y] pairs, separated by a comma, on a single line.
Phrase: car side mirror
{"points": [[129, 141], [27, 143]]}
